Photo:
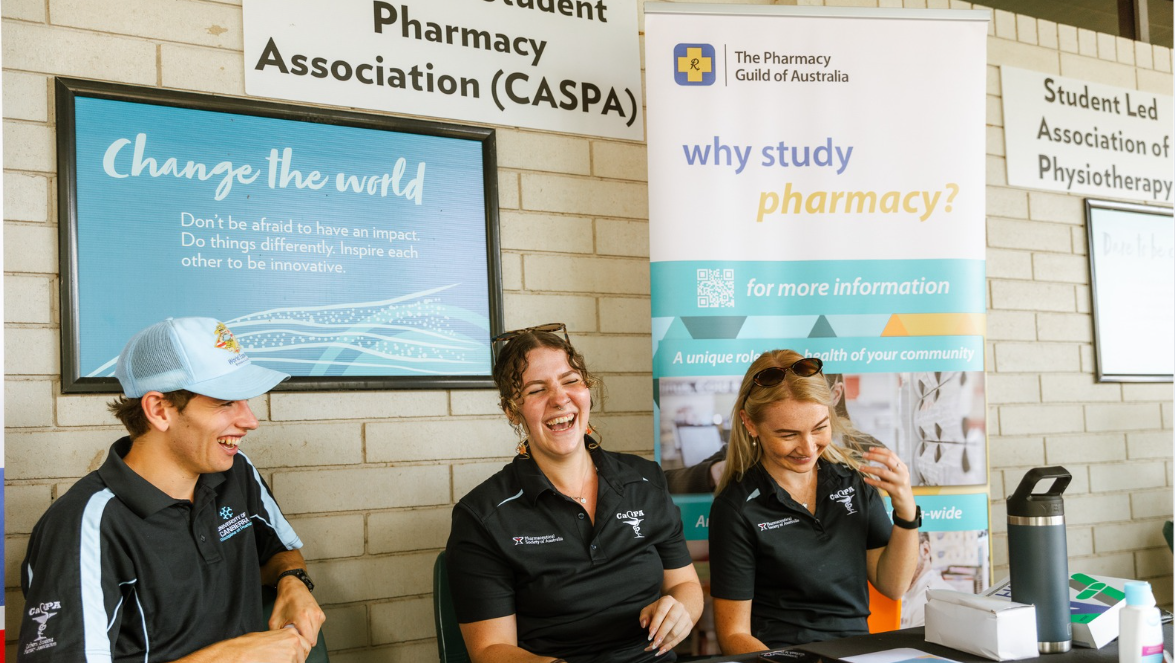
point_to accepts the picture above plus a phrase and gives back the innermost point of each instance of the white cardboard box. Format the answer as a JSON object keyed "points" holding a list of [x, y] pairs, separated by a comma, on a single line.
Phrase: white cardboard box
{"points": [[1094, 603], [993, 628]]}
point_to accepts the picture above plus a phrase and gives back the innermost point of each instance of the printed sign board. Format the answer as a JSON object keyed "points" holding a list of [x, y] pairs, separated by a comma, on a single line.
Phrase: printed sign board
{"points": [[351, 251], [1073, 136], [570, 66]]}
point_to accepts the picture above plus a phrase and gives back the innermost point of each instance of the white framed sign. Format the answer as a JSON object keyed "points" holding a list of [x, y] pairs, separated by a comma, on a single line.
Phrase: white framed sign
{"points": [[560, 65], [1073, 136], [1132, 276]]}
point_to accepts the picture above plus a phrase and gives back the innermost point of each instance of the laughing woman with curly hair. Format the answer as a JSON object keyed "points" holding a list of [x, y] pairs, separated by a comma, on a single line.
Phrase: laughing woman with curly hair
{"points": [[570, 552]]}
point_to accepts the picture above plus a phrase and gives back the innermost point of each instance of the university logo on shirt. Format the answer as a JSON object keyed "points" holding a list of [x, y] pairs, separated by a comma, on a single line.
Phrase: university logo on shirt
{"points": [[233, 524], [845, 497]]}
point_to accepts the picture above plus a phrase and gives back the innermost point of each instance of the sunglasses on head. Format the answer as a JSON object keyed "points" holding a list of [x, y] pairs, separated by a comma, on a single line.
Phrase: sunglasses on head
{"points": [[552, 327], [773, 375]]}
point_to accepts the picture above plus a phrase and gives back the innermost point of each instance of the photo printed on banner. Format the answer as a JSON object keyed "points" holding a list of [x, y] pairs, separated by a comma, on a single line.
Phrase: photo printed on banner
{"points": [[933, 420]]}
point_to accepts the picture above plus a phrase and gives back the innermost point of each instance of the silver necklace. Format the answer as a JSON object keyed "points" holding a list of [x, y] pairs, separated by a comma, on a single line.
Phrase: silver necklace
{"points": [[583, 484]]}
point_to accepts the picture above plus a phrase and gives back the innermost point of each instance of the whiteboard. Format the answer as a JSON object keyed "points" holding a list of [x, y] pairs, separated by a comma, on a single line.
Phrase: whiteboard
{"points": [[1132, 272]]}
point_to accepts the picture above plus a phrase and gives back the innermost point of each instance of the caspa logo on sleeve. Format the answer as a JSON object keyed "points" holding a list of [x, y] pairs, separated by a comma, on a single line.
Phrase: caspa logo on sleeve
{"points": [[41, 614]]}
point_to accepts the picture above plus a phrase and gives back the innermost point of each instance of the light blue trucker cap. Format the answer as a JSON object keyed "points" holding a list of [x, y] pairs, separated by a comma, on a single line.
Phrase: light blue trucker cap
{"points": [[199, 355]]}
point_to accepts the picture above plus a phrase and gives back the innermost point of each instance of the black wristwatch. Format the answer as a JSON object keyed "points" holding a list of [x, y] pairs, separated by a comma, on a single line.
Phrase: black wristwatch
{"points": [[898, 522], [297, 573]]}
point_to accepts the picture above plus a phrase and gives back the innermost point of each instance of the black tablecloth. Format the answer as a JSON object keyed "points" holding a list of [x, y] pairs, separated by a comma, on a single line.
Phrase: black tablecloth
{"points": [[915, 638]]}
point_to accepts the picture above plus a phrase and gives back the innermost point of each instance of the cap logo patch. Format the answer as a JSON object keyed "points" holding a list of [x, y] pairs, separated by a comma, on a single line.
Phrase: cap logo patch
{"points": [[225, 339]]}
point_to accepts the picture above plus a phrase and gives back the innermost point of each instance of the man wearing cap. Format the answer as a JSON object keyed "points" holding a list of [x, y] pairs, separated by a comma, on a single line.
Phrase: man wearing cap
{"points": [[160, 554]]}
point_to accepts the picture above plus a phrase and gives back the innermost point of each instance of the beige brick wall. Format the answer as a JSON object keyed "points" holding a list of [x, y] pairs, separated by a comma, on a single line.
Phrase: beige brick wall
{"points": [[1044, 405], [369, 478]]}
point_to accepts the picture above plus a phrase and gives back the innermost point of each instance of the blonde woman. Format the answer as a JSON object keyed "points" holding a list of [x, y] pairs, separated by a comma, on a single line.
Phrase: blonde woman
{"points": [[798, 525]]}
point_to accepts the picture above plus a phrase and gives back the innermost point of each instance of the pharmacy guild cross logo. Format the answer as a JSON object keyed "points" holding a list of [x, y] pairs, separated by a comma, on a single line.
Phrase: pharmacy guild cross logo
{"points": [[693, 64]]}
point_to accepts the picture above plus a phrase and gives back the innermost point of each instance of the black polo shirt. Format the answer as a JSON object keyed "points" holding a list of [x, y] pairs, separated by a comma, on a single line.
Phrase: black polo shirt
{"points": [[518, 547], [804, 574], [118, 571]]}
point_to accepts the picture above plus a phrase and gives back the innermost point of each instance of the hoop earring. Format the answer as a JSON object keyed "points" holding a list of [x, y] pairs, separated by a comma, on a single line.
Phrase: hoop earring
{"points": [[593, 444], [523, 447]]}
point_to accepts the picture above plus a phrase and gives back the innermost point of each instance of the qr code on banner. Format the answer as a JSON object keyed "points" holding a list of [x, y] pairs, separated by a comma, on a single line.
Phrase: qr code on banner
{"points": [[715, 288]]}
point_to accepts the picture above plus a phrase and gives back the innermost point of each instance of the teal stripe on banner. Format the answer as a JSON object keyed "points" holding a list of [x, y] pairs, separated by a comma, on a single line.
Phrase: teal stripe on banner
{"points": [[891, 354], [950, 513], [940, 513], [695, 515], [816, 287]]}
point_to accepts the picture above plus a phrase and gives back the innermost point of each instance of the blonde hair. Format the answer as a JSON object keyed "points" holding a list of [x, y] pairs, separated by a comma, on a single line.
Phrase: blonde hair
{"points": [[744, 452]]}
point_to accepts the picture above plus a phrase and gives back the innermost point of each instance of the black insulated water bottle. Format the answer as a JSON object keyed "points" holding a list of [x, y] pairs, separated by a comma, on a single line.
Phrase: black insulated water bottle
{"points": [[1038, 557]]}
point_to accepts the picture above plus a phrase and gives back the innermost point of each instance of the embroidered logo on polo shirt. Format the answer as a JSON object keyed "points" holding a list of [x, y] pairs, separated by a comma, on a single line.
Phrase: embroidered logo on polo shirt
{"points": [[225, 513], [845, 497], [633, 518], [537, 540], [776, 524], [234, 525], [41, 614]]}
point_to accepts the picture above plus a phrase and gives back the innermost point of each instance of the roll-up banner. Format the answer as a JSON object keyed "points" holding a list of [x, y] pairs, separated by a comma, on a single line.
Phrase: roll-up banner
{"points": [[816, 182]]}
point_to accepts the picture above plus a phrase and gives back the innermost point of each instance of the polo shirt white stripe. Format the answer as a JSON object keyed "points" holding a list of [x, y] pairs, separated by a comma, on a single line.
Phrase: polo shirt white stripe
{"points": [[90, 563], [119, 606], [115, 615], [753, 495], [277, 521], [146, 639], [510, 498]]}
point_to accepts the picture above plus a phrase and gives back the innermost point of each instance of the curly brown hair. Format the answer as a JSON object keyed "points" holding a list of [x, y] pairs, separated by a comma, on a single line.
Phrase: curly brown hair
{"points": [[512, 364]]}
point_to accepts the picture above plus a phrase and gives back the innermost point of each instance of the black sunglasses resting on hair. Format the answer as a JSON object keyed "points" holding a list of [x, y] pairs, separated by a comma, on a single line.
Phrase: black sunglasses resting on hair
{"points": [[552, 327]]}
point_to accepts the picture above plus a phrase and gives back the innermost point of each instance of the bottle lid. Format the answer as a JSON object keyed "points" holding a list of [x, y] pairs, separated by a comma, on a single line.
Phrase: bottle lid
{"points": [[1026, 503], [1138, 592]]}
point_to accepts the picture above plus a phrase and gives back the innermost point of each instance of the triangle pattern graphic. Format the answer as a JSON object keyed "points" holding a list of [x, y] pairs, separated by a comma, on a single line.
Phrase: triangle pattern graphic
{"points": [[895, 327], [822, 329], [714, 327], [677, 329]]}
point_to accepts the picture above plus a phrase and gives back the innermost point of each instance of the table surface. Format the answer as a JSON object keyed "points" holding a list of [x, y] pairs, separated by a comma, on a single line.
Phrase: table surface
{"points": [[915, 638]]}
